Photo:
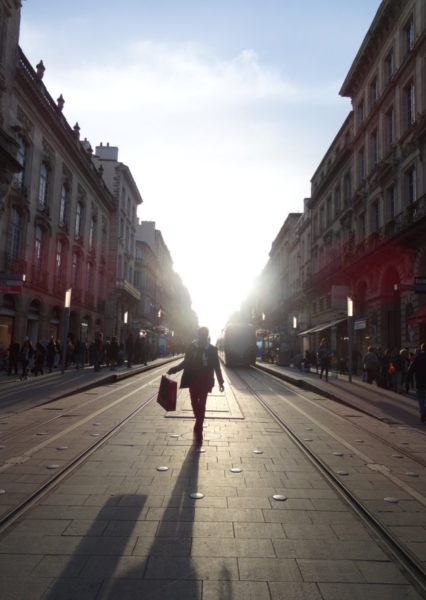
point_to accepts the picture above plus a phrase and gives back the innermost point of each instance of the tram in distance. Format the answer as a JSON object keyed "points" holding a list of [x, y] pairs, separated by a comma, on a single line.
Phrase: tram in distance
{"points": [[237, 348]]}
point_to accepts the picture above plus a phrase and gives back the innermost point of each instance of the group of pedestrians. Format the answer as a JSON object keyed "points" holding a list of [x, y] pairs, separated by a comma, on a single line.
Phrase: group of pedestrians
{"points": [[398, 370], [23, 359]]}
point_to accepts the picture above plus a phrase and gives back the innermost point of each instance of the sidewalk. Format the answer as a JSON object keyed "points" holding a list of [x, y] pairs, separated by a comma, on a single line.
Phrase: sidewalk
{"points": [[15, 393], [124, 525], [381, 403]]}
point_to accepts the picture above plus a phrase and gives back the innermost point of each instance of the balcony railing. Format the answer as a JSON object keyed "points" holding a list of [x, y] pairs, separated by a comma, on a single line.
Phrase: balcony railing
{"points": [[126, 286]]}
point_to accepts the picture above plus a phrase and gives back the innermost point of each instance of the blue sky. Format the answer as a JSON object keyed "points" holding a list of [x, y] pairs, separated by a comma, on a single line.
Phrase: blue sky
{"points": [[222, 110]]}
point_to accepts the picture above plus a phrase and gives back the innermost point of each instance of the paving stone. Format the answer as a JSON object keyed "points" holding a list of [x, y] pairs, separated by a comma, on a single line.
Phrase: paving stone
{"points": [[129, 589], [23, 588], [330, 570], [41, 526], [192, 568], [70, 589], [350, 591], [60, 566], [381, 572], [294, 591], [268, 569], [259, 530], [240, 547], [194, 530], [237, 590], [162, 546], [11, 567], [322, 549]]}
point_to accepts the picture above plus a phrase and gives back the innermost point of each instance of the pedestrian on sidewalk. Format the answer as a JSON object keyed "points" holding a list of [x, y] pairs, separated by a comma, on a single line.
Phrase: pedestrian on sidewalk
{"points": [[200, 364], [371, 364], [324, 357], [418, 368], [113, 353], [26, 354], [13, 357]]}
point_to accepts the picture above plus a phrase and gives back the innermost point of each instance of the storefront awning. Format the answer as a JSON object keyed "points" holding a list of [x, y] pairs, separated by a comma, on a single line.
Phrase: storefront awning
{"points": [[322, 326], [418, 317]]}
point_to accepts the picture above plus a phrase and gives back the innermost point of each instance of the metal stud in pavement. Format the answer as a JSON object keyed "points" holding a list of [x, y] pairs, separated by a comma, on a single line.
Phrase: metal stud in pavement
{"points": [[338, 453], [279, 497], [411, 474], [391, 500], [2, 491], [342, 472], [52, 466], [162, 468], [235, 470], [196, 495], [257, 451], [62, 448]]}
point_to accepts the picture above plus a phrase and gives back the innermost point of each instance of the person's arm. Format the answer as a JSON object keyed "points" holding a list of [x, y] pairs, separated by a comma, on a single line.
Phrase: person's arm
{"points": [[218, 371], [177, 368]]}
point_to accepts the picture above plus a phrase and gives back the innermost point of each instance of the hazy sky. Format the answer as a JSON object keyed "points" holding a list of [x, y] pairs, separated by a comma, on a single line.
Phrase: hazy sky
{"points": [[222, 109]]}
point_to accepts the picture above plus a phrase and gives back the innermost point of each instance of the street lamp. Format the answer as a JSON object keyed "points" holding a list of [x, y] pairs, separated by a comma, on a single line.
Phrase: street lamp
{"points": [[67, 306], [350, 310]]}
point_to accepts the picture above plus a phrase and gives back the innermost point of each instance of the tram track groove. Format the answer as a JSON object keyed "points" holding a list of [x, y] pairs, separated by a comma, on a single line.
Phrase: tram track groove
{"points": [[7, 520], [404, 557], [360, 428]]}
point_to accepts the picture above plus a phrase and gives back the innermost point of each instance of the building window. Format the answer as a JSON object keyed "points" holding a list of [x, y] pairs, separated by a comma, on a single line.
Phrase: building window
{"points": [[75, 270], [361, 226], [337, 201], [321, 219], [63, 205], [89, 277], [43, 187], [411, 185], [409, 99], [79, 219], [361, 165], [374, 148], [15, 237], [389, 128], [59, 259], [374, 92], [329, 214], [361, 112], [38, 248], [390, 202], [375, 219], [347, 188], [92, 232], [389, 66], [408, 35], [21, 157]]}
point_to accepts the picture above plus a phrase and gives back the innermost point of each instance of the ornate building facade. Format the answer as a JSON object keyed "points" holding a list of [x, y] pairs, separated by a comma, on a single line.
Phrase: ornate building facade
{"points": [[363, 231]]}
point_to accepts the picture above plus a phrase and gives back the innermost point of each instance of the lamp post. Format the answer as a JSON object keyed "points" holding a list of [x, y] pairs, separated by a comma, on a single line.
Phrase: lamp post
{"points": [[67, 305], [350, 319]]}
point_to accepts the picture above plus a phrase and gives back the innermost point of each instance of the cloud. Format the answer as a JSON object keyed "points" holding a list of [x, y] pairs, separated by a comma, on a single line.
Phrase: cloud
{"points": [[221, 150]]}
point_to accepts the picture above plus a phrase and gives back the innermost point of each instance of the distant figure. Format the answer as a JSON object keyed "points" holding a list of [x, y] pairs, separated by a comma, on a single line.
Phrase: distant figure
{"points": [[51, 350], [13, 357], [324, 356], [371, 364], [130, 347], [39, 359], [113, 353], [27, 352], [418, 369], [99, 351], [200, 364]]}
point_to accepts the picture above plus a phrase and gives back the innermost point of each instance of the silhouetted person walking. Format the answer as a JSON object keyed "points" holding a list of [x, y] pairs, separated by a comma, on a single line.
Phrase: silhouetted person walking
{"points": [[200, 364], [418, 368]]}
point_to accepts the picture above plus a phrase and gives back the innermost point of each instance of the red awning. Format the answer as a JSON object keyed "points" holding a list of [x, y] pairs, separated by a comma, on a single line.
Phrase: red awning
{"points": [[418, 317]]}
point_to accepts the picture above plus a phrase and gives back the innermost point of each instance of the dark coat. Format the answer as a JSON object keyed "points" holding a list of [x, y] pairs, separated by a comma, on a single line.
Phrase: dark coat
{"points": [[418, 367], [193, 367]]}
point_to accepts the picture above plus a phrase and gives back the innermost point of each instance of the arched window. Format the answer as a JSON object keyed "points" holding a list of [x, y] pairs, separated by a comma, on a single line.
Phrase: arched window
{"points": [[21, 157], [14, 238], [38, 247], [63, 205], [75, 270], [59, 259], [92, 232], [43, 187], [79, 219]]}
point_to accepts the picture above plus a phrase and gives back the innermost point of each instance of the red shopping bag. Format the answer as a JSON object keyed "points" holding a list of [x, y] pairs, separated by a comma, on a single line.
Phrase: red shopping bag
{"points": [[167, 393]]}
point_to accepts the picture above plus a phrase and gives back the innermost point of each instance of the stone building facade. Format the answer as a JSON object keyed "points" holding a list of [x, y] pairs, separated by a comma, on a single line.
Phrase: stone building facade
{"points": [[68, 218], [362, 231]]}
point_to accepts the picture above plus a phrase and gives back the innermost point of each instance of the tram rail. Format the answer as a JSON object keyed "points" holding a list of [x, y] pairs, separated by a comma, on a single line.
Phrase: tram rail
{"points": [[397, 549]]}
